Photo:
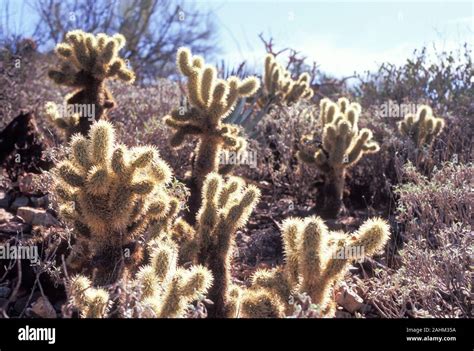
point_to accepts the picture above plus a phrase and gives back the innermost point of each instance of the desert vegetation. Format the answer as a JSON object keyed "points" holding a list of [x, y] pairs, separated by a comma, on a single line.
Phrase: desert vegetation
{"points": [[187, 192]]}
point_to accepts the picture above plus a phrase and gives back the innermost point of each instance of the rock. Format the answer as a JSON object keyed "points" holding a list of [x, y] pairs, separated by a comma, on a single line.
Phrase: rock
{"points": [[25, 183], [343, 314], [4, 199], [13, 228], [36, 216], [20, 202], [42, 201], [5, 216], [43, 308], [5, 291], [349, 299]]}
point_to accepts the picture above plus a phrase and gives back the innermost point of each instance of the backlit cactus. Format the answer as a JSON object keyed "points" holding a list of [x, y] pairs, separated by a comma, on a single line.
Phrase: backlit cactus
{"points": [[423, 127], [86, 61], [109, 193], [343, 145], [315, 259], [279, 87], [211, 100], [226, 207], [89, 301], [166, 289]]}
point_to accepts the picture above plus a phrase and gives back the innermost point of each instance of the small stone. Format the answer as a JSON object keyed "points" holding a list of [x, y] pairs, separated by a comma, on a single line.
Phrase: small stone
{"points": [[20, 202], [42, 201], [349, 299], [37, 216], [4, 199], [5, 216], [25, 183], [343, 314], [43, 308], [5, 291], [13, 228]]}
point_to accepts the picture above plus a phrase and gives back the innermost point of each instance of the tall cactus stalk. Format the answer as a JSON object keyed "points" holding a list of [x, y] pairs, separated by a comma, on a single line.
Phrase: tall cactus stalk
{"points": [[211, 100], [343, 145]]}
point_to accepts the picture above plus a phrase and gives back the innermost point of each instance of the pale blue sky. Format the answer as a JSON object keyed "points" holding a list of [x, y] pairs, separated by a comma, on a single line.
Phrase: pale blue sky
{"points": [[343, 36], [340, 36]]}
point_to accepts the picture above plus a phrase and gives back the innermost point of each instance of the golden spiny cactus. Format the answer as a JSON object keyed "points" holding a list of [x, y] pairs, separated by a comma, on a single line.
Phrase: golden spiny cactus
{"points": [[109, 193], [86, 61], [211, 100], [315, 259], [279, 87], [343, 145], [226, 207], [423, 127], [91, 302], [167, 289]]}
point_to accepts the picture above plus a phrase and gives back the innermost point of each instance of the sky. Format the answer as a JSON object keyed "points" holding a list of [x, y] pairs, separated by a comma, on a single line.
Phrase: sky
{"points": [[342, 37]]}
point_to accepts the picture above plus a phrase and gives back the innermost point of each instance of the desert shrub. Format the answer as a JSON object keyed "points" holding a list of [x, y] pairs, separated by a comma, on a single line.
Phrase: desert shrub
{"points": [[427, 206], [444, 81], [432, 275]]}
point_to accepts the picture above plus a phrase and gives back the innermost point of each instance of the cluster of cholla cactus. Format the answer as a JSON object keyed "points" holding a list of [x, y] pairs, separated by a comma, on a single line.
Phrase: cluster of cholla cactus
{"points": [[110, 193], [315, 259], [226, 207], [423, 127], [164, 289], [211, 100], [86, 62], [279, 87], [342, 146]]}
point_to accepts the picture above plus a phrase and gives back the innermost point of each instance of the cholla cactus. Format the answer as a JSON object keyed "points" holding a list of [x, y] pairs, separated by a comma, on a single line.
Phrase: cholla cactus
{"points": [[91, 302], [261, 303], [343, 145], [211, 100], [315, 259], [423, 127], [279, 87], [226, 207], [86, 61], [109, 193], [166, 289]]}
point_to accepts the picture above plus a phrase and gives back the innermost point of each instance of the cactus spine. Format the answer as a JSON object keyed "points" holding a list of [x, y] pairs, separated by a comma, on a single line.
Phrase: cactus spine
{"points": [[86, 61], [109, 193], [423, 127], [211, 100], [315, 259], [280, 87], [343, 145]]}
